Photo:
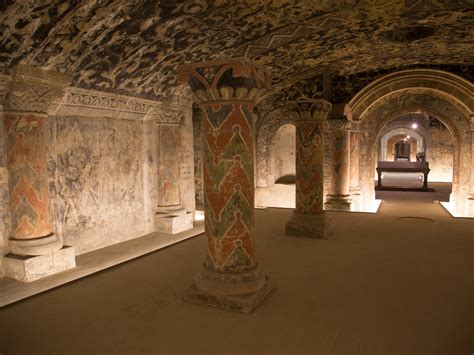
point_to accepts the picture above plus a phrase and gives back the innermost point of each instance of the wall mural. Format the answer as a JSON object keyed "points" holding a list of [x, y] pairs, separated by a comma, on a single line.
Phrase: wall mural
{"points": [[134, 47], [96, 165]]}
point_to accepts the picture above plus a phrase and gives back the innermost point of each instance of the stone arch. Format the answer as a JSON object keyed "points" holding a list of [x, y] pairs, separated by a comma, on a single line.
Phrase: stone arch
{"points": [[386, 135], [458, 89], [267, 129], [441, 94], [403, 102], [283, 153]]}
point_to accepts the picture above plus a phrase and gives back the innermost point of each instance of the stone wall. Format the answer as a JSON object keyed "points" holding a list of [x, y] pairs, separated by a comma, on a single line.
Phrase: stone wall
{"points": [[103, 156], [284, 148], [96, 173], [440, 154]]}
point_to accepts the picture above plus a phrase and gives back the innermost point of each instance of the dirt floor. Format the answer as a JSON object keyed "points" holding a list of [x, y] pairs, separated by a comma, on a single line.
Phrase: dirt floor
{"points": [[397, 282]]}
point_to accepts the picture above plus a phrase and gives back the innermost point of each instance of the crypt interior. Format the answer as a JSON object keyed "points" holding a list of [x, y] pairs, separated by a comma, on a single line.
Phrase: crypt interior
{"points": [[236, 177]]}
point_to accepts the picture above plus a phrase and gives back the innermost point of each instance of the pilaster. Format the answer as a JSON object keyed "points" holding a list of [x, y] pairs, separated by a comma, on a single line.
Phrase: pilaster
{"points": [[35, 250], [171, 217]]}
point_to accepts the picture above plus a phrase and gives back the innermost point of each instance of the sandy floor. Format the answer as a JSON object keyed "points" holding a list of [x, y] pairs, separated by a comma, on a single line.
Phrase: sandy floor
{"points": [[381, 285]]}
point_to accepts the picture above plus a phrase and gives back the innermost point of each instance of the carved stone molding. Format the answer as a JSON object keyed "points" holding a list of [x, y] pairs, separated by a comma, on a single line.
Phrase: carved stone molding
{"points": [[86, 98], [236, 79], [35, 90], [169, 117], [83, 102]]}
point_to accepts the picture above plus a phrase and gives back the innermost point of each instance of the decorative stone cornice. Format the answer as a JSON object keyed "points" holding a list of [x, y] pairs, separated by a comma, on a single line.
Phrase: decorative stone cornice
{"points": [[92, 103], [35, 90], [236, 79], [169, 117]]}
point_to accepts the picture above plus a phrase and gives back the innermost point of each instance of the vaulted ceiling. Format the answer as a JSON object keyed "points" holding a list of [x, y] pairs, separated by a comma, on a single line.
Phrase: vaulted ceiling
{"points": [[135, 46]]}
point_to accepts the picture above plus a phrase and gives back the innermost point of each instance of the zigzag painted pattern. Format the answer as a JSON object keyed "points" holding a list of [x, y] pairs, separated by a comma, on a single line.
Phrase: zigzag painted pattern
{"points": [[309, 166], [28, 184], [340, 161], [228, 187]]}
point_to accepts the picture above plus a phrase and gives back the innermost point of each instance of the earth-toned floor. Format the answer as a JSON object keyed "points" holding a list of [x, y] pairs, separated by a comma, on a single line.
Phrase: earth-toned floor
{"points": [[396, 282]]}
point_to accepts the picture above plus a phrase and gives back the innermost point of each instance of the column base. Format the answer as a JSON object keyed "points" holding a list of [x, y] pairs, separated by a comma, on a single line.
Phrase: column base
{"points": [[355, 190], [338, 202], [35, 246], [308, 226], [172, 224], [239, 292], [30, 268]]}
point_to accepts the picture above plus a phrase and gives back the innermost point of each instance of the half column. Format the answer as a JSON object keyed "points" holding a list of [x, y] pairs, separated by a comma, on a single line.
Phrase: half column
{"points": [[171, 217], [35, 250], [226, 92]]}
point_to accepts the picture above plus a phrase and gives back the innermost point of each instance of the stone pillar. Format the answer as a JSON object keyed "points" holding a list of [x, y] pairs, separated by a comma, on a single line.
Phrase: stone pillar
{"points": [[470, 200], [309, 218], [338, 197], [354, 165], [35, 251], [226, 92], [171, 217]]}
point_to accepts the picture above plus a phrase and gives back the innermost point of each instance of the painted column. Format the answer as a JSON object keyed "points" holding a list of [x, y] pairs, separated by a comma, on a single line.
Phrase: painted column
{"points": [[470, 199], [32, 94], [171, 217], [354, 165], [338, 197], [226, 92], [309, 218]]}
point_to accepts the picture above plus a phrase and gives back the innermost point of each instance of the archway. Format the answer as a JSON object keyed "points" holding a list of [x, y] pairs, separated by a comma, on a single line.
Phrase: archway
{"points": [[442, 95], [284, 154]]}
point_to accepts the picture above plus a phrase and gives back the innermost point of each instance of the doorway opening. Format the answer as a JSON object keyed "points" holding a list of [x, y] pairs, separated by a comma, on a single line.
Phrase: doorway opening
{"points": [[407, 145]]}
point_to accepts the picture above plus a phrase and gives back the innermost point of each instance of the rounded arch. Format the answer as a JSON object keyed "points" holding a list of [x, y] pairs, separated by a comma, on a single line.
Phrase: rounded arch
{"points": [[386, 135], [458, 90], [410, 100], [284, 150], [444, 95], [267, 128]]}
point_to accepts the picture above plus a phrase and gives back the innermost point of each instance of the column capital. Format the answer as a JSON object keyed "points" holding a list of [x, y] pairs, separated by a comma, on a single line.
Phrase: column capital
{"points": [[35, 90], [305, 99], [355, 126], [308, 110], [235, 79], [340, 124]]}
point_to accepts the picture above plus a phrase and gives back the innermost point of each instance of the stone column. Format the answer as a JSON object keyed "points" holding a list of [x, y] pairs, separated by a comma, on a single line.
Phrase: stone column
{"points": [[309, 218], [171, 217], [470, 199], [37, 251], [354, 164], [338, 197], [226, 92]]}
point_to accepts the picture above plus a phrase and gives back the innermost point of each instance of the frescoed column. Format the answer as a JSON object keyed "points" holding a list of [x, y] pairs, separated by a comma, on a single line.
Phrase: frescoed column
{"points": [[226, 92], [309, 218], [338, 197], [354, 163], [171, 217], [470, 200], [31, 95]]}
